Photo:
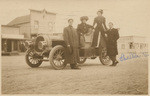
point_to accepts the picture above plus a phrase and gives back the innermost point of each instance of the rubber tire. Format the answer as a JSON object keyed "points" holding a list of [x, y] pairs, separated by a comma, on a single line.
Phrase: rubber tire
{"points": [[81, 62], [100, 57], [51, 54], [29, 63]]}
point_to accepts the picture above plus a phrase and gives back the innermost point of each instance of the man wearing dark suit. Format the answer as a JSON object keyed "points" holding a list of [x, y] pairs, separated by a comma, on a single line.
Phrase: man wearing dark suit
{"points": [[72, 45], [112, 37]]}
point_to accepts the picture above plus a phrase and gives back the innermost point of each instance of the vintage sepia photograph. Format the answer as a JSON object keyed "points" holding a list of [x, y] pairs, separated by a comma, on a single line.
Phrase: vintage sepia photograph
{"points": [[74, 47]]}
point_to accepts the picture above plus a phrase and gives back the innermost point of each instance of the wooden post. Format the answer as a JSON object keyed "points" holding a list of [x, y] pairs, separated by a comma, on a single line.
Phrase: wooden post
{"points": [[18, 42], [12, 45]]}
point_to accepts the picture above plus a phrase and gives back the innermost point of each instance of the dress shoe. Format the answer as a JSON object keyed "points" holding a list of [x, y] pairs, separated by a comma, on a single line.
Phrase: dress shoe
{"points": [[114, 63], [93, 57], [75, 67]]}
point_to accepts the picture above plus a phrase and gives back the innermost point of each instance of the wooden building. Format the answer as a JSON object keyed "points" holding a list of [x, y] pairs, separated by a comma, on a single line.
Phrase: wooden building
{"points": [[11, 39], [38, 21], [24, 27]]}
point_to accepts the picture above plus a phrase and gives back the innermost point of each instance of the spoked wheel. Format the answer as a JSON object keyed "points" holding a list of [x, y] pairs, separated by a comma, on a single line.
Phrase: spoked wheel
{"points": [[82, 60], [33, 59], [56, 57], [104, 58]]}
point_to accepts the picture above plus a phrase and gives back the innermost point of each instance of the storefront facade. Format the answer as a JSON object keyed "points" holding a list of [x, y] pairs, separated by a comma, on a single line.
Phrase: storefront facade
{"points": [[11, 40]]}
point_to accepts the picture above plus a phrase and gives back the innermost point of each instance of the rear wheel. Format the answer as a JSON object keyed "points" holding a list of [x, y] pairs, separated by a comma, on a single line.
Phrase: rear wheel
{"points": [[33, 59], [56, 57], [104, 58]]}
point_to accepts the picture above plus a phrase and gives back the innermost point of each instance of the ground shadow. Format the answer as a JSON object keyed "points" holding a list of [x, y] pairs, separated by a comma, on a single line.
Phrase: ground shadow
{"points": [[49, 67]]}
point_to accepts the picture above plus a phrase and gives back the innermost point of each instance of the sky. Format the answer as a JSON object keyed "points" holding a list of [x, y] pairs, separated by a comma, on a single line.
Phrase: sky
{"points": [[131, 16]]}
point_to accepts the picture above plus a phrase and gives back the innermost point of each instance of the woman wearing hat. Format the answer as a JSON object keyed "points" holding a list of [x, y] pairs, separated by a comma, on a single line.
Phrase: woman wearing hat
{"points": [[83, 29], [101, 27]]}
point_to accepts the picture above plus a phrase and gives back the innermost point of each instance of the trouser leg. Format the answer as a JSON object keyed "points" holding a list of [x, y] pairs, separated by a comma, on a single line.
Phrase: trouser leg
{"points": [[95, 38], [103, 39], [72, 65], [113, 58], [79, 39], [102, 42]]}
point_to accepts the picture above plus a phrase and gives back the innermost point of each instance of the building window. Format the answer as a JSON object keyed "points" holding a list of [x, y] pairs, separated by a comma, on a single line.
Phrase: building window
{"points": [[141, 46], [137, 45], [43, 16], [123, 46], [36, 24], [145, 46], [131, 46], [51, 26]]}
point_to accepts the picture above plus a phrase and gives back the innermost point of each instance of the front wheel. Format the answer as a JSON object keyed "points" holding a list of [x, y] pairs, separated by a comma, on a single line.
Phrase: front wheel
{"points": [[104, 58], [56, 57], [33, 59]]}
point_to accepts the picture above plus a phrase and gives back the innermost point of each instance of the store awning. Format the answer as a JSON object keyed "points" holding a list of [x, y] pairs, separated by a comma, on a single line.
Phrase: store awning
{"points": [[12, 36]]}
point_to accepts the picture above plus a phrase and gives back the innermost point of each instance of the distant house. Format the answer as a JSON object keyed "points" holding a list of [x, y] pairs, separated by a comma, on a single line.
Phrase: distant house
{"points": [[132, 44], [24, 27], [37, 22], [10, 39], [23, 23]]}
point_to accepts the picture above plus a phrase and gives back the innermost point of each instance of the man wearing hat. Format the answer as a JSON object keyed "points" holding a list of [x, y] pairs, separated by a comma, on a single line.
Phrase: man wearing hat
{"points": [[112, 37], [83, 28], [72, 44], [101, 27]]}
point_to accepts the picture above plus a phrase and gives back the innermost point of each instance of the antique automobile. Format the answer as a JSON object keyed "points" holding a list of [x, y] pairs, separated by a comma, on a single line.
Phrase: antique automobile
{"points": [[46, 47]]}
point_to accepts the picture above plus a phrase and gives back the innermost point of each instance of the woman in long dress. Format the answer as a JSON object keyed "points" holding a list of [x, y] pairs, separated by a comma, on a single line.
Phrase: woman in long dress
{"points": [[101, 27]]}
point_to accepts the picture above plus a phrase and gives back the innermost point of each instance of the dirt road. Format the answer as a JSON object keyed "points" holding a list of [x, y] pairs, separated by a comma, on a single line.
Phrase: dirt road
{"points": [[129, 77]]}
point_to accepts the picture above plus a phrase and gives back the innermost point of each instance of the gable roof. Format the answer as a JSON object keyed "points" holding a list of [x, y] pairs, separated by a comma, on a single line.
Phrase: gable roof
{"points": [[9, 26], [19, 20], [43, 11]]}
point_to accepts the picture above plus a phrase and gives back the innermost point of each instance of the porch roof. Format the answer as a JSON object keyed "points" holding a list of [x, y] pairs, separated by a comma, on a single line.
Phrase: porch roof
{"points": [[12, 36]]}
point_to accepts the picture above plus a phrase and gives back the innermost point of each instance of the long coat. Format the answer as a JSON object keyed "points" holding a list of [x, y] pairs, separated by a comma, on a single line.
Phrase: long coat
{"points": [[71, 38], [112, 37]]}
